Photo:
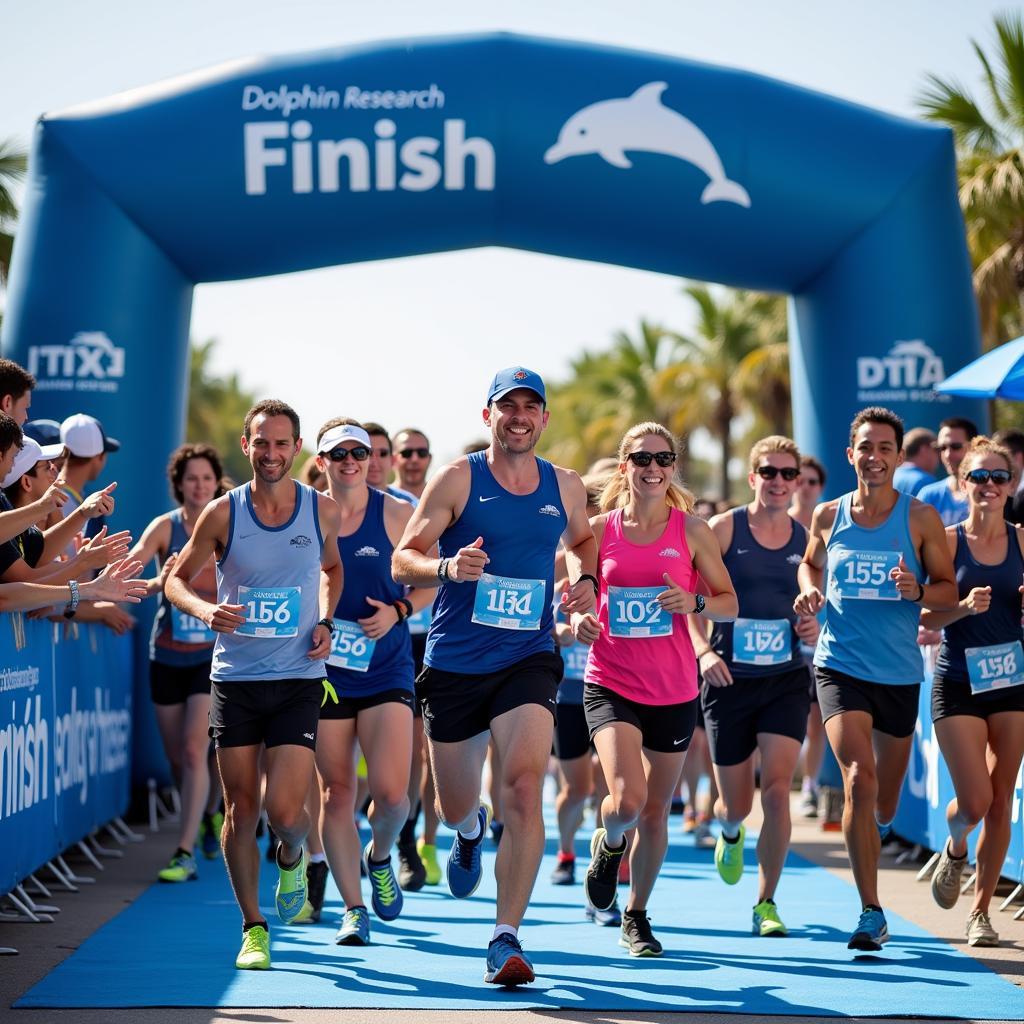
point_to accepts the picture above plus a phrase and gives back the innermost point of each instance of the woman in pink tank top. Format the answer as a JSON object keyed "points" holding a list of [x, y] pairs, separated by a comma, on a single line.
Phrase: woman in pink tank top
{"points": [[640, 692]]}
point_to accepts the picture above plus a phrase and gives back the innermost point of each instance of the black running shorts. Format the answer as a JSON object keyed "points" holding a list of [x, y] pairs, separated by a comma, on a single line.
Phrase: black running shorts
{"points": [[572, 737], [953, 697], [893, 708], [274, 712], [174, 684], [349, 707], [664, 728]]}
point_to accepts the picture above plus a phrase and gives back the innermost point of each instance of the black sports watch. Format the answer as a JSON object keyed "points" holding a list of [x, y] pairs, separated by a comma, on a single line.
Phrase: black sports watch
{"points": [[698, 606], [328, 624], [592, 579]]}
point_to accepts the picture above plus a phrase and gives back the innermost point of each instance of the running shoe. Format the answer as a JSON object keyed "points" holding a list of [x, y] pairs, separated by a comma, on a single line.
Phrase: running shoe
{"points": [[385, 894], [565, 871], [946, 878], [809, 802], [465, 867], [610, 918], [255, 952], [355, 928], [412, 873], [428, 854], [884, 831], [316, 884], [980, 931], [209, 835], [729, 857], [290, 894], [602, 879], [507, 964], [767, 922], [871, 933], [182, 868], [637, 936], [702, 833]]}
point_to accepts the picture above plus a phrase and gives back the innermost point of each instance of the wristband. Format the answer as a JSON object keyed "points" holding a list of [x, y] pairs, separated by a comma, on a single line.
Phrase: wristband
{"points": [[328, 624], [920, 594], [707, 650], [442, 569], [407, 605], [72, 606], [698, 605], [593, 580], [400, 610]]}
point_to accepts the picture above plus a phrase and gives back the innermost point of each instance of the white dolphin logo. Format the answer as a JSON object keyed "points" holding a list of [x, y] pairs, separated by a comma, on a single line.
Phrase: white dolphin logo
{"points": [[642, 123]]}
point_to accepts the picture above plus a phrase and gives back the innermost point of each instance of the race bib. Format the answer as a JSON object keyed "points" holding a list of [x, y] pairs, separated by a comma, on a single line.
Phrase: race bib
{"points": [[504, 602], [575, 660], [635, 612], [762, 641], [271, 612], [187, 629], [351, 648], [420, 622], [995, 668], [864, 575]]}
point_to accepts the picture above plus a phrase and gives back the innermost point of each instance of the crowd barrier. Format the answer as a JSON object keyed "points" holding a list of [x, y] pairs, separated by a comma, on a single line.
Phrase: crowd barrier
{"points": [[65, 738]]}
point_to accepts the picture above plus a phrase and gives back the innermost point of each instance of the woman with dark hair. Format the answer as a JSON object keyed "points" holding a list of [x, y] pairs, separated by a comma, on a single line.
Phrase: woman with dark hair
{"points": [[181, 649]]}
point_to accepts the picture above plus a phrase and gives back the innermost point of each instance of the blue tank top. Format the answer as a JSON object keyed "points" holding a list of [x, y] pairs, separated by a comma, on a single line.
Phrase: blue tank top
{"points": [[1000, 624], [765, 583], [521, 534], [275, 572], [366, 557], [870, 633], [164, 646]]}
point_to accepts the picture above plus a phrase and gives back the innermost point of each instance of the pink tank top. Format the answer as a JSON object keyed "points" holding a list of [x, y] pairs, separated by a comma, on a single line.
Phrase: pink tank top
{"points": [[646, 669]]}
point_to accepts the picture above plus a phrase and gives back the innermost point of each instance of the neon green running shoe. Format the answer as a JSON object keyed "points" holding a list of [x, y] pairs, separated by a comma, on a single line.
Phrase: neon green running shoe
{"points": [[767, 922], [290, 894], [428, 854], [182, 868], [729, 857], [255, 952], [305, 915]]}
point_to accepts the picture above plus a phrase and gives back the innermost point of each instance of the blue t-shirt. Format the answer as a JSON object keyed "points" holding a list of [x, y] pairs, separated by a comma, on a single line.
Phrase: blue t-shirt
{"points": [[952, 508], [909, 478]]}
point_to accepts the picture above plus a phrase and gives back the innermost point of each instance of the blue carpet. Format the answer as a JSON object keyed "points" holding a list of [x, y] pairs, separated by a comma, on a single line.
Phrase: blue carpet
{"points": [[175, 946]]}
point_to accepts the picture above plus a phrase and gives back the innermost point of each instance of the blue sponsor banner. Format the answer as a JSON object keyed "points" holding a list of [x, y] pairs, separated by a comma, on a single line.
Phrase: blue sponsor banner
{"points": [[65, 738]]}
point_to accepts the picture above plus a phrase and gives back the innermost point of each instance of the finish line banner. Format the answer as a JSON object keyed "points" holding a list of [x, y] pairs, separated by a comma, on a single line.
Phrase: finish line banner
{"points": [[65, 738]]}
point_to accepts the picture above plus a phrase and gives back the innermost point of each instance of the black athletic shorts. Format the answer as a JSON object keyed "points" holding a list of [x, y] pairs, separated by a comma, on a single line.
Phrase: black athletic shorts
{"points": [[572, 737], [458, 706], [349, 707], [734, 715], [665, 728], [174, 684], [893, 709], [952, 697], [269, 711]]}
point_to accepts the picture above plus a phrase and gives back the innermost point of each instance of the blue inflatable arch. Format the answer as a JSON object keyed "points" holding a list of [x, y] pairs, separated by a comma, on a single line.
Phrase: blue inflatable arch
{"points": [[393, 149]]}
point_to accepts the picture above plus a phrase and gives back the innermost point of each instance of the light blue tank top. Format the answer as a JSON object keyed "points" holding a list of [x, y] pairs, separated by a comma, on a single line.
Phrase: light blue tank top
{"points": [[521, 534], [870, 633], [275, 572]]}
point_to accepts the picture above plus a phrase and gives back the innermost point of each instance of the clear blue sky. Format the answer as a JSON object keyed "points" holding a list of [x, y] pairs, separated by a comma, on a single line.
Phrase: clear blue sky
{"points": [[415, 319]]}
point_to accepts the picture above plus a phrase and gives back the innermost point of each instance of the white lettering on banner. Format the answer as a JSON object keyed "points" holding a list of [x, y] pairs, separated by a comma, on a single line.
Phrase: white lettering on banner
{"points": [[90, 742], [923, 772], [89, 362], [19, 679], [908, 373], [24, 759], [1018, 789], [286, 101], [267, 146]]}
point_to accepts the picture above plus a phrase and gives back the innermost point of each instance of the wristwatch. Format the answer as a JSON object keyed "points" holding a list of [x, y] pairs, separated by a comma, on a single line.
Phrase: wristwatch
{"points": [[592, 579], [328, 624], [72, 606], [698, 603]]}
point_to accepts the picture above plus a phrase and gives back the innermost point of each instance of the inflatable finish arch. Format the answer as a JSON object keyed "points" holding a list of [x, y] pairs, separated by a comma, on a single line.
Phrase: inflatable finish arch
{"points": [[369, 152]]}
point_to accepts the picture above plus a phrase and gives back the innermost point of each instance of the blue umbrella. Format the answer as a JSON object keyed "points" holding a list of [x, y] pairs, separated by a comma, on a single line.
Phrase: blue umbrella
{"points": [[997, 374]]}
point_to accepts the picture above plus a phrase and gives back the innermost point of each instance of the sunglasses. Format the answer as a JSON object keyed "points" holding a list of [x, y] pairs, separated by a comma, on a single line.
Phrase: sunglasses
{"points": [[663, 459], [360, 453], [408, 453], [982, 476], [950, 446], [771, 472]]}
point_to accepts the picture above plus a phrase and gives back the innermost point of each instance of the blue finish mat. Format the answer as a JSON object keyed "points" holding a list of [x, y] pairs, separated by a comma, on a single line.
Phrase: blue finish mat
{"points": [[175, 946]]}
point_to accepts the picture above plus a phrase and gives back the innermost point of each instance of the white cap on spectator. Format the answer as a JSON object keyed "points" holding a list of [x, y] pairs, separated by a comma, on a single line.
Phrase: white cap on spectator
{"points": [[31, 454], [84, 436], [343, 432]]}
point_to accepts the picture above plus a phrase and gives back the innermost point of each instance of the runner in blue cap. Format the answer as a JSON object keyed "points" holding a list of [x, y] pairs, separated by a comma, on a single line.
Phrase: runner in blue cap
{"points": [[491, 667]]}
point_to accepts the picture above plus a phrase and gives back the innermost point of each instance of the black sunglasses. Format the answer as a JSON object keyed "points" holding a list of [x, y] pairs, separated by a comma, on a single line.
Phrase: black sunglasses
{"points": [[982, 476], [663, 459], [771, 472], [360, 453], [408, 453]]}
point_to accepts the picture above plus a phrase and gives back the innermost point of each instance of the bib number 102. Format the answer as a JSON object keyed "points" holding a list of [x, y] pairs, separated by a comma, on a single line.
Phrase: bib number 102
{"points": [[638, 613]]}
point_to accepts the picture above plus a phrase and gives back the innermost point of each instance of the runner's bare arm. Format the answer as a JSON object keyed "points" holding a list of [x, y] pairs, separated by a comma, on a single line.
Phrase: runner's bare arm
{"points": [[940, 593], [721, 605], [153, 544], [396, 518], [810, 574], [580, 545], [331, 575]]}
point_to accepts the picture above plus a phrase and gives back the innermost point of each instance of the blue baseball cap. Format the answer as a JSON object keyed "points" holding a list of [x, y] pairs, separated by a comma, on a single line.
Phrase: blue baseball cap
{"points": [[515, 377], [43, 432]]}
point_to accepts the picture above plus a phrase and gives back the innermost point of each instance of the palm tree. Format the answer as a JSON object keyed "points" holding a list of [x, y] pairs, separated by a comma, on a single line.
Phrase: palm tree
{"points": [[13, 166], [989, 137]]}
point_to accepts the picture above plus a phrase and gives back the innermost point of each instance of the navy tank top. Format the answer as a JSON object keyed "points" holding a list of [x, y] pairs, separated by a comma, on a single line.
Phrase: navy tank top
{"points": [[1001, 623], [274, 571], [366, 558], [483, 627], [765, 583], [178, 639]]}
